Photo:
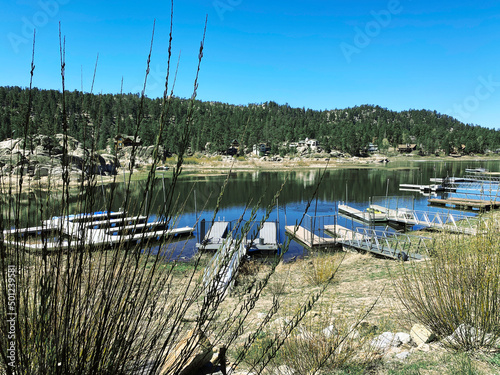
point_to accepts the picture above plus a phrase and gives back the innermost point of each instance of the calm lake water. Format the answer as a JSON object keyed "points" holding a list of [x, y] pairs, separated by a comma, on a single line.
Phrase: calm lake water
{"points": [[358, 187]]}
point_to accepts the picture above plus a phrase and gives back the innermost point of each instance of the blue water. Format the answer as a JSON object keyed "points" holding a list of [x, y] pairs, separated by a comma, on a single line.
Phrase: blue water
{"points": [[357, 188]]}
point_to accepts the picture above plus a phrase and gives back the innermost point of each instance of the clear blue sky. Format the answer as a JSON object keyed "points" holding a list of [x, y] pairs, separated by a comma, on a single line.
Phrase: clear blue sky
{"points": [[399, 54]]}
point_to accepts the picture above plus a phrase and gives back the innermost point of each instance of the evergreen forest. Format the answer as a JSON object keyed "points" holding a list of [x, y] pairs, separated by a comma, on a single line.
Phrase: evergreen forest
{"points": [[216, 125]]}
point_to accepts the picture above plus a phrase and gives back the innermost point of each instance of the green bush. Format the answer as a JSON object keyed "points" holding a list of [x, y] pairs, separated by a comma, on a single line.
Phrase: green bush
{"points": [[458, 287]]}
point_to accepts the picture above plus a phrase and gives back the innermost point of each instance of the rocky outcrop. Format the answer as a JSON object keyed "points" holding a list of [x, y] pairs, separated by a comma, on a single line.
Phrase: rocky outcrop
{"points": [[43, 156]]}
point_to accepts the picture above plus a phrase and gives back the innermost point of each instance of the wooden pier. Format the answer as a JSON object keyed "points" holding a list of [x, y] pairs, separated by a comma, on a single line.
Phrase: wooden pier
{"points": [[469, 204], [362, 216], [308, 238]]}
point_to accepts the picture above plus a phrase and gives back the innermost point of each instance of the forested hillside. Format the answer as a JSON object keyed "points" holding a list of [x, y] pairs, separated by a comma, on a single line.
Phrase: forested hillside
{"points": [[217, 124]]}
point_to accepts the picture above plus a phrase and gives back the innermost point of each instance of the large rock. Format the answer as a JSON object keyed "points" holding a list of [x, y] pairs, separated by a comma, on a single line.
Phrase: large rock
{"points": [[196, 346], [385, 341], [404, 337], [421, 335], [466, 335]]}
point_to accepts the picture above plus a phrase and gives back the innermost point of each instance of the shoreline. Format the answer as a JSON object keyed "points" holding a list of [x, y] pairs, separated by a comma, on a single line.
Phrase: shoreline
{"points": [[208, 166], [254, 164]]}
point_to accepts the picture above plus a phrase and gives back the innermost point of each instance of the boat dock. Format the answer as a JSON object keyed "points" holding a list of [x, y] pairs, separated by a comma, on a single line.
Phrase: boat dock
{"points": [[422, 188], [372, 217], [308, 238], [267, 239], [388, 244], [91, 230], [469, 204], [214, 238]]}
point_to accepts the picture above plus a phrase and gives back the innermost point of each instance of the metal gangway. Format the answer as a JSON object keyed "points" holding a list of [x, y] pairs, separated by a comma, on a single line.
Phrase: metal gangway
{"points": [[392, 245], [220, 273], [445, 221], [483, 177]]}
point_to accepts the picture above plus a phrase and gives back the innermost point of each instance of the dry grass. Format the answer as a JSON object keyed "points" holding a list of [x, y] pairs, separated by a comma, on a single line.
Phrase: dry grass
{"points": [[320, 268]]}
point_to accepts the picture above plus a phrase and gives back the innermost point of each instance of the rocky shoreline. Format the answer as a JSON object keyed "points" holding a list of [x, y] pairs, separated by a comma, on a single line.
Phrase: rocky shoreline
{"points": [[41, 161]]}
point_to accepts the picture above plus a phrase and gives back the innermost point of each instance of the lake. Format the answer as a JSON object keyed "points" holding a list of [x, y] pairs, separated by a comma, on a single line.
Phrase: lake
{"points": [[196, 195], [357, 187]]}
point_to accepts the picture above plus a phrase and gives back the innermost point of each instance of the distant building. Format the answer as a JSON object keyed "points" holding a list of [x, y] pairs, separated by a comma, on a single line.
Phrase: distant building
{"points": [[261, 149], [372, 147], [122, 141], [406, 148], [313, 144]]}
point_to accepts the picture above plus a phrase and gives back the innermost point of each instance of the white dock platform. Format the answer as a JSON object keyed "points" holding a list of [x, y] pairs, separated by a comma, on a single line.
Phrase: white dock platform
{"points": [[215, 236], [268, 238]]}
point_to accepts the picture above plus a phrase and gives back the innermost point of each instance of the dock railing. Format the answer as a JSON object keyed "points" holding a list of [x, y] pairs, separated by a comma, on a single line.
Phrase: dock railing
{"points": [[394, 202], [316, 227], [220, 272], [483, 177], [451, 222], [390, 244]]}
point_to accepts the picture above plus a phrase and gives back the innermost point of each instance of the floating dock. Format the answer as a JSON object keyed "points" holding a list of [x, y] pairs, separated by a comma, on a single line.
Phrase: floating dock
{"points": [[267, 240], [469, 204], [214, 238], [422, 188], [308, 238], [373, 217], [68, 232]]}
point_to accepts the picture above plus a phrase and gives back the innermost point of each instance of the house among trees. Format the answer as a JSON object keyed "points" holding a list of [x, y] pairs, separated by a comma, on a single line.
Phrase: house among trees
{"points": [[122, 141], [313, 144], [261, 149], [372, 147], [407, 148], [305, 145]]}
